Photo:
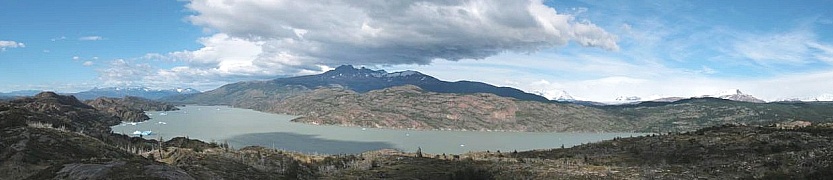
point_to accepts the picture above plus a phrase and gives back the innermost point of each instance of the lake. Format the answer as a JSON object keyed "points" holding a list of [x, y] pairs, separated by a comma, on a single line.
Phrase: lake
{"points": [[244, 127]]}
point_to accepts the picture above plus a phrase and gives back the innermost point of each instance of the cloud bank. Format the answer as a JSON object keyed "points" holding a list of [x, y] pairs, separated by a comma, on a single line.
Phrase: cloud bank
{"points": [[267, 38], [385, 32]]}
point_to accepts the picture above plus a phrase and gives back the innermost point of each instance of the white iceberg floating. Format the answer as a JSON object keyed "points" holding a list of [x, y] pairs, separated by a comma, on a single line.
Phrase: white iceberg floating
{"points": [[142, 133], [160, 122]]}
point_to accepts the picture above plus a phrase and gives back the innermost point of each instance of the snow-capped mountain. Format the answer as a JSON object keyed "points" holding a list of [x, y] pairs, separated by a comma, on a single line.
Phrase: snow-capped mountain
{"points": [[668, 99], [628, 98], [822, 97], [143, 92], [558, 95], [563, 96], [735, 95], [621, 100]]}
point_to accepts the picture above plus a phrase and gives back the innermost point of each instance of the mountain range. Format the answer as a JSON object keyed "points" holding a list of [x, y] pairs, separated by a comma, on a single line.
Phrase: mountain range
{"points": [[360, 80], [732, 94], [143, 92], [409, 99], [113, 92]]}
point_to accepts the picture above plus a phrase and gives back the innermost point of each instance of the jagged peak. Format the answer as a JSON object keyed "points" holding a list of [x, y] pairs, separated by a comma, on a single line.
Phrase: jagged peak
{"points": [[350, 71], [735, 95]]}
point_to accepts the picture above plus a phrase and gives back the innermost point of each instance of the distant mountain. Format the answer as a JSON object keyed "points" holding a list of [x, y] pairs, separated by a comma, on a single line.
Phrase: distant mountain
{"points": [[731, 94], [822, 97], [695, 113], [143, 92], [735, 95], [562, 96], [559, 95], [628, 99], [668, 99], [129, 108], [360, 80], [20, 93], [364, 80]]}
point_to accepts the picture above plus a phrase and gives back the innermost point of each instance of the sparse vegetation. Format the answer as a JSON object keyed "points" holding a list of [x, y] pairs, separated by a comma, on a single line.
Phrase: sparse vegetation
{"points": [[32, 148]]}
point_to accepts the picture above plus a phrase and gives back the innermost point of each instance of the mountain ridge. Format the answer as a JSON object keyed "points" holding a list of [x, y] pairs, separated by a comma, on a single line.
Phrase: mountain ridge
{"points": [[349, 96], [360, 80]]}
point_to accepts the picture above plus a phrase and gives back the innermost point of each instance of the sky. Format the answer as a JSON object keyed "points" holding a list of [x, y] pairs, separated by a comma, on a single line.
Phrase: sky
{"points": [[593, 50]]}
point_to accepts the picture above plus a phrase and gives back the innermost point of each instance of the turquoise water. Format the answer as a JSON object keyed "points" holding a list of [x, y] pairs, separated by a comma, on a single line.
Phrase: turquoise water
{"points": [[243, 127]]}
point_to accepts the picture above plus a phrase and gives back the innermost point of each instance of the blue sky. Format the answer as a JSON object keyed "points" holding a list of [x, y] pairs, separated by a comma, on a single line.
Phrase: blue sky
{"points": [[594, 50]]}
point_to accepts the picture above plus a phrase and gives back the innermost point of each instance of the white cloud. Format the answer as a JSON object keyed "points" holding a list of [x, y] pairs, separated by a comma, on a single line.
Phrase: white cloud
{"points": [[91, 38], [75, 58], [258, 39], [122, 72], [383, 32], [10, 44], [794, 48], [88, 63], [59, 38], [824, 52]]}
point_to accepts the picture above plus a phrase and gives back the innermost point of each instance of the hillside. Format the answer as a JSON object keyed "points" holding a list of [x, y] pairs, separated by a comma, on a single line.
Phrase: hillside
{"points": [[60, 111], [696, 113], [412, 107], [722, 152]]}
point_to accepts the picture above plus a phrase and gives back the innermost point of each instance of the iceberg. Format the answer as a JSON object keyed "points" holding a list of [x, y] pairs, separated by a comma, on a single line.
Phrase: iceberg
{"points": [[142, 133]]}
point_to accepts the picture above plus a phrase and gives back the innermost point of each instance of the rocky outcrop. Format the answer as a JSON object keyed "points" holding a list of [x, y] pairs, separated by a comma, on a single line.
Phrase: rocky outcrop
{"points": [[49, 136], [58, 111]]}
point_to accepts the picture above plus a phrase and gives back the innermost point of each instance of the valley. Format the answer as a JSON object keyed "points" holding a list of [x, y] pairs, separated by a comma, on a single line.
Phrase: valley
{"points": [[57, 137], [413, 90]]}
